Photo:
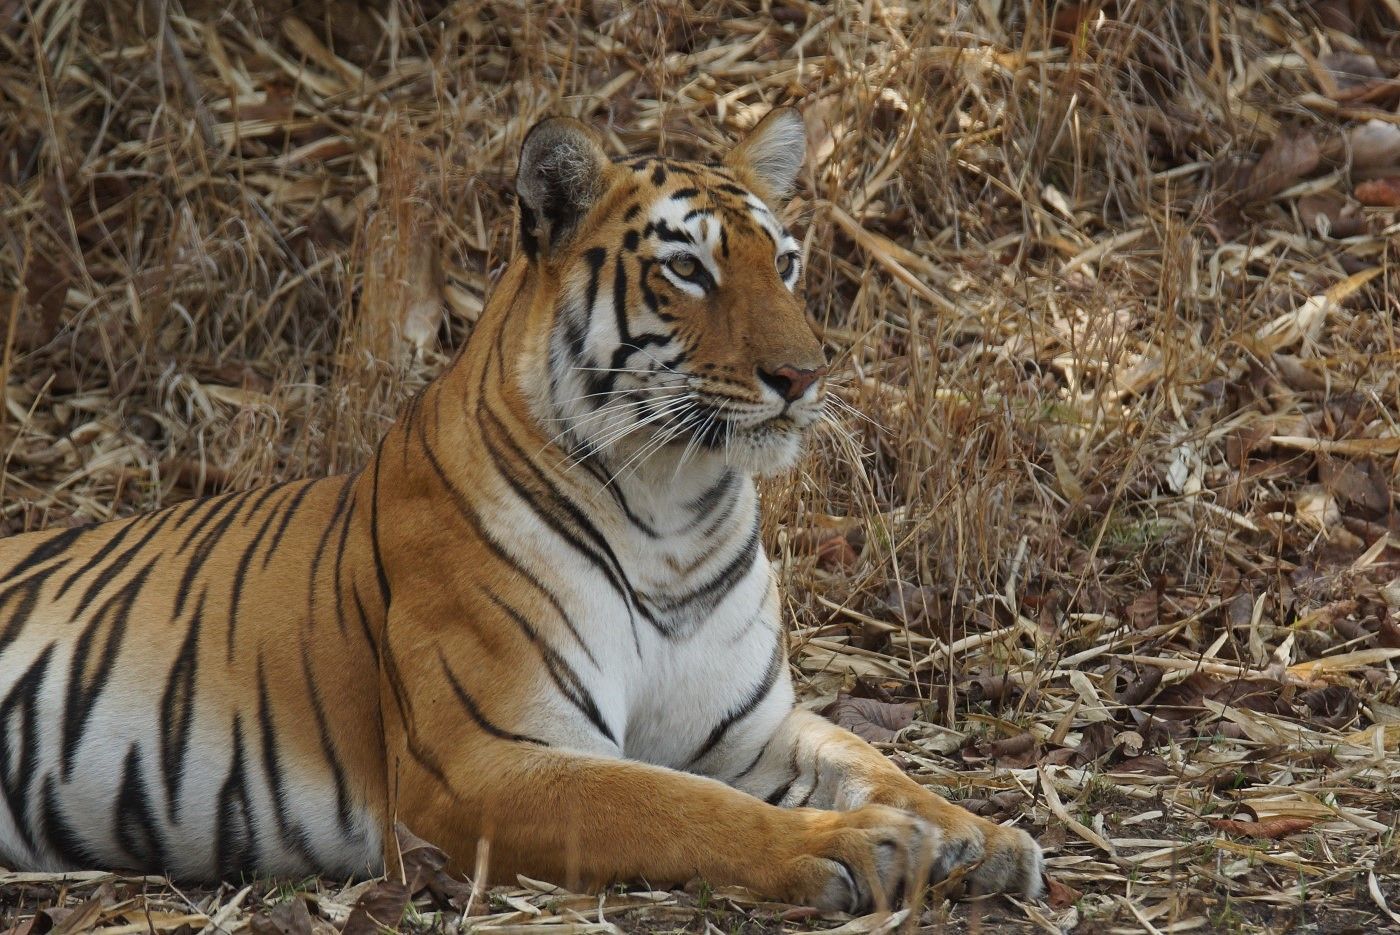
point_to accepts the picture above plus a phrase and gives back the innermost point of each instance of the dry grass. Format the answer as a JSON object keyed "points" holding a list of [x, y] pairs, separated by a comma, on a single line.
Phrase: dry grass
{"points": [[1118, 509]]}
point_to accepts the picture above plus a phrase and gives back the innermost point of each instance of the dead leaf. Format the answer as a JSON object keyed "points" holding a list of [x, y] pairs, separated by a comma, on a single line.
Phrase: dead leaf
{"points": [[425, 867], [83, 917], [288, 918], [1016, 752], [1374, 143], [1333, 706], [379, 908], [1287, 160], [1361, 483], [1329, 214], [1380, 193], [30, 926], [1059, 895], [1148, 765], [1270, 828], [871, 720], [835, 553], [1350, 69]]}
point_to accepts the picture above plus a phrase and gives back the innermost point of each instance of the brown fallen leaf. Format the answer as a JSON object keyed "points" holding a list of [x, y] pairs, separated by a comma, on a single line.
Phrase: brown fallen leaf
{"points": [[425, 867], [1016, 752], [1328, 214], [377, 910], [1148, 765], [1380, 193], [288, 918], [836, 554], [1288, 159], [871, 720], [1060, 895], [1270, 828]]}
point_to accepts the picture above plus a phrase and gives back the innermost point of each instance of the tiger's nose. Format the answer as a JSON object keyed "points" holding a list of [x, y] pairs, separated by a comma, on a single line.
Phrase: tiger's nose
{"points": [[789, 382]]}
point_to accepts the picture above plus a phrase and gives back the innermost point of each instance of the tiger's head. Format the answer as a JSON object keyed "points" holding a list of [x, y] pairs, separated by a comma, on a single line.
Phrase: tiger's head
{"points": [[678, 323]]}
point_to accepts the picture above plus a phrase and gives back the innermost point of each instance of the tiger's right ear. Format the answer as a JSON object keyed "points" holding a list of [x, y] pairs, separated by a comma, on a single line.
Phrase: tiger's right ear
{"points": [[561, 175]]}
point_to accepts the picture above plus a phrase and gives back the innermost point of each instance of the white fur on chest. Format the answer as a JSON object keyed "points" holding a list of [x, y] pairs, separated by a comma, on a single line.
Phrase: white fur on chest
{"points": [[679, 658]]}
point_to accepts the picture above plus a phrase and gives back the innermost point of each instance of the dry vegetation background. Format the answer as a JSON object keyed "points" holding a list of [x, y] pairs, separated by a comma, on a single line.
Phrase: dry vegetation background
{"points": [[1113, 285]]}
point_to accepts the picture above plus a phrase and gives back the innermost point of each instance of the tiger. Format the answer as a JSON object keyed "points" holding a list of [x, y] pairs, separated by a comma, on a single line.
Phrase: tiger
{"points": [[538, 627]]}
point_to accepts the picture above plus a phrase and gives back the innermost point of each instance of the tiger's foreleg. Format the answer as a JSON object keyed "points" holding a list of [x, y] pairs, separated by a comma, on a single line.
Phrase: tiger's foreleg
{"points": [[810, 762], [591, 820]]}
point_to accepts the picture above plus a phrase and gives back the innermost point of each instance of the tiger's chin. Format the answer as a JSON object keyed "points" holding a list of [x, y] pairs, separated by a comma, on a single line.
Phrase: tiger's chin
{"points": [[764, 451]]}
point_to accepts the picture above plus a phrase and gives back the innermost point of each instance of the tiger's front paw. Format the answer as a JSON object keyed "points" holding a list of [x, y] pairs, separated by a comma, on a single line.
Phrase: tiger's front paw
{"points": [[860, 861], [989, 858]]}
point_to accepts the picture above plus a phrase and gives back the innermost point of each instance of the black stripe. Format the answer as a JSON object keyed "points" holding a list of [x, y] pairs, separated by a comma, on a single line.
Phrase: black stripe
{"points": [[474, 712], [137, 832], [557, 511], [671, 234], [235, 840], [96, 558], [422, 756], [381, 576], [287, 513], [364, 620], [497, 548], [19, 741], [710, 594], [341, 500], [323, 731], [562, 674], [257, 504], [202, 552], [705, 504], [240, 574], [109, 626], [595, 257], [292, 835], [53, 545], [340, 563], [63, 840], [119, 564], [747, 706], [215, 506], [776, 796], [754, 762], [28, 592], [177, 709]]}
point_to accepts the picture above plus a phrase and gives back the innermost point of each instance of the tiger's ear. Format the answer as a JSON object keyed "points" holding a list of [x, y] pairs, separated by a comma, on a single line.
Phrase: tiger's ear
{"points": [[771, 155], [561, 175]]}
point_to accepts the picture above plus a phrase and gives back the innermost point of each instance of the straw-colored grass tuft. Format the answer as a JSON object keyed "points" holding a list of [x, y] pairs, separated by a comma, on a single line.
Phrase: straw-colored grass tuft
{"points": [[1112, 287]]}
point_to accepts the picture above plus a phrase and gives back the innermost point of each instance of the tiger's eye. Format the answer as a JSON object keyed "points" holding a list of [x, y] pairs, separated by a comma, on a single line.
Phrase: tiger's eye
{"points": [[785, 264], [684, 266]]}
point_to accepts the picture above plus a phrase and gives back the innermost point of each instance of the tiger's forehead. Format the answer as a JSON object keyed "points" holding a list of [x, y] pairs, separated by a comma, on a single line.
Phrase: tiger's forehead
{"points": [[699, 205]]}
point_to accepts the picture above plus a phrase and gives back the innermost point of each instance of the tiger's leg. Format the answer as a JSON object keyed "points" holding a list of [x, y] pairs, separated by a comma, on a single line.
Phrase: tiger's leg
{"points": [[593, 820], [810, 762]]}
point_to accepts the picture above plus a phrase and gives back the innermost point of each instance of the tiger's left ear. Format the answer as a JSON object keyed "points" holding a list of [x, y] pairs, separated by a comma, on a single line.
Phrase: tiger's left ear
{"points": [[771, 155], [563, 172]]}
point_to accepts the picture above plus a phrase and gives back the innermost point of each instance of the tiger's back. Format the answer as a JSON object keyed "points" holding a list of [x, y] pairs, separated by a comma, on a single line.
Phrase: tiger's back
{"points": [[177, 690]]}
